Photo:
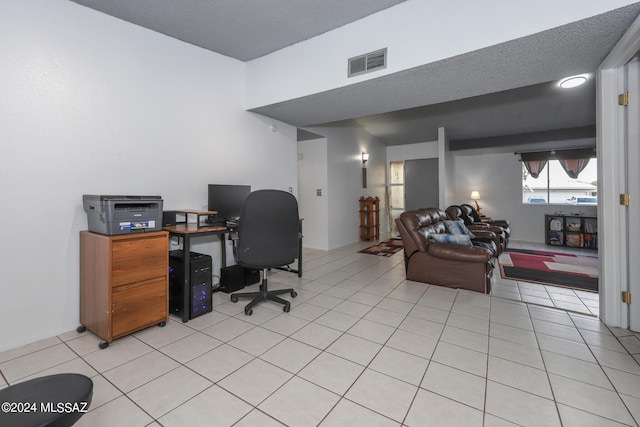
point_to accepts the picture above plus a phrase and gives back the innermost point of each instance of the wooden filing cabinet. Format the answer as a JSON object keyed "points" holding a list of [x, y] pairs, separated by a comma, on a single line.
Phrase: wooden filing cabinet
{"points": [[124, 283]]}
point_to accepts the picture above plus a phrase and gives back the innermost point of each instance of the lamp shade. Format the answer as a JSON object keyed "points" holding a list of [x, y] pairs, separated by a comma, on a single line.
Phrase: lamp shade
{"points": [[475, 195]]}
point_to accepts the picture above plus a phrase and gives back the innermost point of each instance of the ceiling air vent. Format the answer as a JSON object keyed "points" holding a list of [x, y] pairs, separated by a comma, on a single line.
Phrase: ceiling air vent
{"points": [[368, 62]]}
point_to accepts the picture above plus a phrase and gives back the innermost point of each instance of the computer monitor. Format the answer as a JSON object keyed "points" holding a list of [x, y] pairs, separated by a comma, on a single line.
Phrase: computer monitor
{"points": [[227, 200]]}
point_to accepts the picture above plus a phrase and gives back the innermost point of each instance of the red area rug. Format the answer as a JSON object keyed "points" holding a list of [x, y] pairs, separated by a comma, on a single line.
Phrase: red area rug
{"points": [[386, 248], [551, 268]]}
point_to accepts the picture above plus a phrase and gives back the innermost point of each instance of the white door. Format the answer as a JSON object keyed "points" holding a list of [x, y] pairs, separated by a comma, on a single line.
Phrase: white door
{"points": [[633, 187]]}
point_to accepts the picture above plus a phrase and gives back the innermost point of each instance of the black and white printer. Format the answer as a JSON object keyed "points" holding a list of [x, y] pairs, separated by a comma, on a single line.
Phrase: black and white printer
{"points": [[113, 215]]}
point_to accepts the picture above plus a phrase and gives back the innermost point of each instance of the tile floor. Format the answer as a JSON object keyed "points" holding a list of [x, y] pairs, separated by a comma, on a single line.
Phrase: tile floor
{"points": [[361, 347]]}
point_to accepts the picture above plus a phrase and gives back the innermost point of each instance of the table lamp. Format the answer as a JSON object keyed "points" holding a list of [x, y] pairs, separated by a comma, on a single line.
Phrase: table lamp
{"points": [[475, 196]]}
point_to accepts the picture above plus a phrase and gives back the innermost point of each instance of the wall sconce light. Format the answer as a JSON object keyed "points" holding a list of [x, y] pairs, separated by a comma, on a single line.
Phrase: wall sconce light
{"points": [[475, 196], [365, 157]]}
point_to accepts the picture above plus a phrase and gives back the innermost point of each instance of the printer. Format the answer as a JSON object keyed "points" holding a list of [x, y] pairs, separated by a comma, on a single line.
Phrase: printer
{"points": [[113, 215]]}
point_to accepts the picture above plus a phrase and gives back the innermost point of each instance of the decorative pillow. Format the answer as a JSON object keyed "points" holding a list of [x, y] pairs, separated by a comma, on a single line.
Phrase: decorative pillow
{"points": [[458, 228], [459, 239]]}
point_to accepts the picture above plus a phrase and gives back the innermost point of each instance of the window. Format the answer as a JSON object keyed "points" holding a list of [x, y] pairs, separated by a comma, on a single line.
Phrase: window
{"points": [[396, 192], [554, 186]]}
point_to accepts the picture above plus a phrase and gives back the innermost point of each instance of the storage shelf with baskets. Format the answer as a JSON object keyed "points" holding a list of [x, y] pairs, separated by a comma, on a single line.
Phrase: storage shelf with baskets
{"points": [[571, 231]]}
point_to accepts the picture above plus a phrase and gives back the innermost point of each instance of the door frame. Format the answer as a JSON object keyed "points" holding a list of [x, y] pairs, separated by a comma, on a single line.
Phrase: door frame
{"points": [[612, 177]]}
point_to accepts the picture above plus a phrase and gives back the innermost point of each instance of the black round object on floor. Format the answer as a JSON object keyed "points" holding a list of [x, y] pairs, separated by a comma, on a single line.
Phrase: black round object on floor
{"points": [[55, 401]]}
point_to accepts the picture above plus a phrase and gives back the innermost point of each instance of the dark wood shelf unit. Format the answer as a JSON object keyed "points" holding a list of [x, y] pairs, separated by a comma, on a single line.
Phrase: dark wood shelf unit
{"points": [[573, 231]]}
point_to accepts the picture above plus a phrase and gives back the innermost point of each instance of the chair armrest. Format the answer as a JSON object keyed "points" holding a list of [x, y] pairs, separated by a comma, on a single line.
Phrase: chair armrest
{"points": [[459, 252], [499, 222], [485, 234]]}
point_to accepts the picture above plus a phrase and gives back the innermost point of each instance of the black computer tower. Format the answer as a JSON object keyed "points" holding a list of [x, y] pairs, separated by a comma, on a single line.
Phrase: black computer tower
{"points": [[200, 279], [231, 278]]}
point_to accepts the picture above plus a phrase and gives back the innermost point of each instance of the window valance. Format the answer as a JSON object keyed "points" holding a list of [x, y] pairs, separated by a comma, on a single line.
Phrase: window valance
{"points": [[573, 161]]}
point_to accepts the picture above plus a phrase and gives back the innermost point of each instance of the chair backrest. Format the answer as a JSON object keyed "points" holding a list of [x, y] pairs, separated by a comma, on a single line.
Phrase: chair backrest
{"points": [[268, 230], [471, 213]]}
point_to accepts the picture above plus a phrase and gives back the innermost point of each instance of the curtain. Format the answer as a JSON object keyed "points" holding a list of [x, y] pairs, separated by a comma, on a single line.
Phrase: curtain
{"points": [[574, 161], [535, 162]]}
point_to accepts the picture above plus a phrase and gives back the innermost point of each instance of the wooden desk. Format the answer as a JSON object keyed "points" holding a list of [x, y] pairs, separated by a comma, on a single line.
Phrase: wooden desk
{"points": [[187, 231]]}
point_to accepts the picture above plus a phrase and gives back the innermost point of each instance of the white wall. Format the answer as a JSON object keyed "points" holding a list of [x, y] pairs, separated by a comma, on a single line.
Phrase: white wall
{"points": [[91, 104], [498, 179], [313, 176], [421, 150], [344, 182], [413, 33]]}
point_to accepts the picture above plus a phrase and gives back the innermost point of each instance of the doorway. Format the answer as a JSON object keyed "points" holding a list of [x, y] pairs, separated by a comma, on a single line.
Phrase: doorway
{"points": [[421, 184]]}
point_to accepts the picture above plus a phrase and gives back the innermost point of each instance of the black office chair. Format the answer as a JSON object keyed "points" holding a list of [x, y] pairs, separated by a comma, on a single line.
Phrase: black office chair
{"points": [[268, 235]]}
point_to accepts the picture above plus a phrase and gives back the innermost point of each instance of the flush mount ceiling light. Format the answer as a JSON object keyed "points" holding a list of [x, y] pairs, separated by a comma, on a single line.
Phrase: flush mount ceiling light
{"points": [[573, 81]]}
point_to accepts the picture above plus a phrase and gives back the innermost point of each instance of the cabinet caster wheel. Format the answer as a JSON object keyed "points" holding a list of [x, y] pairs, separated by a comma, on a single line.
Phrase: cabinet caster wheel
{"points": [[234, 298], [248, 312], [103, 345], [293, 294], [162, 324], [80, 329], [286, 308]]}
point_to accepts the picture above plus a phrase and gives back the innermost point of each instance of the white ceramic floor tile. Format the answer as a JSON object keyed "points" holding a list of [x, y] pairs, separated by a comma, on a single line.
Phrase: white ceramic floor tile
{"points": [[572, 417], [317, 335], [300, 403], [514, 335], [400, 365], [515, 353], [332, 372], [422, 327], [519, 376], [257, 418], [616, 360], [565, 347], [520, 407], [228, 329], [381, 393], [432, 410], [464, 359], [586, 397], [412, 343], [347, 413], [219, 362], [137, 372], [190, 347], [468, 323], [35, 362], [579, 370], [167, 392], [290, 355], [336, 320], [157, 337], [455, 384], [371, 331], [355, 349], [205, 410], [119, 351], [120, 412], [464, 338], [386, 317], [255, 381]]}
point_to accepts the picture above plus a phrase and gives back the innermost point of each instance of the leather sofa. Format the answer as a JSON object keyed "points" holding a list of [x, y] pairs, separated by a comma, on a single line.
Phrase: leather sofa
{"points": [[473, 221], [442, 264]]}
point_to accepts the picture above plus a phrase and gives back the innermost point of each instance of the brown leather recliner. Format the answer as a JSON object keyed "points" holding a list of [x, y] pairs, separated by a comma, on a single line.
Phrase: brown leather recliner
{"points": [[458, 213], [443, 264]]}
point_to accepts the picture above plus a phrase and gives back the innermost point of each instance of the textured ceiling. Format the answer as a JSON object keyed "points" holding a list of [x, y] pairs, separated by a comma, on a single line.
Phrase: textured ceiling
{"points": [[505, 89], [241, 29], [509, 88]]}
